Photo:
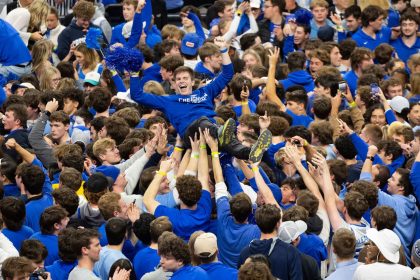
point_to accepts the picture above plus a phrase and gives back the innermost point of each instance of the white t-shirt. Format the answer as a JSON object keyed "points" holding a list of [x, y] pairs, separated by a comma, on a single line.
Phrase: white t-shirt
{"points": [[380, 271]]}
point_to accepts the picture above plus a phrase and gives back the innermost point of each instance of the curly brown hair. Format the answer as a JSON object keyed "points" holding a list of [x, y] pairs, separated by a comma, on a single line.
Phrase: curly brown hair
{"points": [[170, 245], [189, 189], [84, 10]]}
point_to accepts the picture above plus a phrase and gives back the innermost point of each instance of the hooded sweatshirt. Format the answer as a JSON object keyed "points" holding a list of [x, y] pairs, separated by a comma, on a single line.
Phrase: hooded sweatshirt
{"points": [[406, 209], [300, 77], [90, 217], [284, 258]]}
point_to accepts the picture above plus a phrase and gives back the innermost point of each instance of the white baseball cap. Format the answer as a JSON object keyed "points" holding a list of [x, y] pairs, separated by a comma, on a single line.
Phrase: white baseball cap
{"points": [[290, 230], [92, 78], [399, 103], [255, 4]]}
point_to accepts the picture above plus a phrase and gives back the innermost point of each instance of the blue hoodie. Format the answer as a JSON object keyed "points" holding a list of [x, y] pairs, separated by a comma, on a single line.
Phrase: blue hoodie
{"points": [[406, 209], [415, 181], [300, 77], [182, 110]]}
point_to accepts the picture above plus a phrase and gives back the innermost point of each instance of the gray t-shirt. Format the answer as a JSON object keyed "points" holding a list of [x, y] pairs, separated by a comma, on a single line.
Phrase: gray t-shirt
{"points": [[82, 273]]}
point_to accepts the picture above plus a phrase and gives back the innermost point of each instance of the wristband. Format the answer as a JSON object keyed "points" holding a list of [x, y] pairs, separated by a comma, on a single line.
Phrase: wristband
{"points": [[195, 155], [134, 74], [371, 158], [239, 13], [352, 104], [305, 143], [178, 149], [203, 147], [113, 72], [340, 28], [244, 103], [224, 50], [161, 173], [47, 113], [255, 168], [215, 154]]}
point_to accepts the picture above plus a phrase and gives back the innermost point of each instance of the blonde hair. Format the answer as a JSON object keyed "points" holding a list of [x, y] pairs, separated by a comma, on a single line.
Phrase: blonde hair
{"points": [[91, 57], [415, 84], [253, 53], [66, 83], [39, 10], [319, 3], [45, 79], [154, 87], [41, 52], [100, 146]]}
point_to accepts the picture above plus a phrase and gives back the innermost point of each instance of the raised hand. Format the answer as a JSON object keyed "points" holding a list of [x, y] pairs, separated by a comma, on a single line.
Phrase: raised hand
{"points": [[264, 121], [51, 106], [133, 212], [167, 165], [11, 143], [320, 162], [220, 42], [195, 143], [273, 56], [293, 154], [344, 128], [210, 140]]}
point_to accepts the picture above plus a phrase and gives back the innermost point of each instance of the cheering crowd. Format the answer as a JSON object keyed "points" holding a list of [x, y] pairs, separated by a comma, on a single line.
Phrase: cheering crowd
{"points": [[251, 140]]}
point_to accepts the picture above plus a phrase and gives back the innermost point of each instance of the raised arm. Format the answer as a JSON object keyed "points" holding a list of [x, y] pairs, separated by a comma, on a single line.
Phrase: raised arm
{"points": [[262, 186], [329, 193], [293, 153], [271, 80], [149, 198], [195, 155], [26, 156], [203, 164], [366, 173]]}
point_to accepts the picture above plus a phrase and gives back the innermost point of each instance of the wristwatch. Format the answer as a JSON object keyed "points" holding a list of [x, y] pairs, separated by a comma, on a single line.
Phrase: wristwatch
{"points": [[371, 158], [47, 113]]}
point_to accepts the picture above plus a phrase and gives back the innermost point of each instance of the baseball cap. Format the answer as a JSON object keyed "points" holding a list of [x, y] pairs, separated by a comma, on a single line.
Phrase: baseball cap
{"points": [[109, 171], [326, 33], [190, 44], [399, 103], [415, 3], [290, 230], [22, 85], [255, 3], [415, 252], [205, 245], [92, 78], [98, 182], [387, 242]]}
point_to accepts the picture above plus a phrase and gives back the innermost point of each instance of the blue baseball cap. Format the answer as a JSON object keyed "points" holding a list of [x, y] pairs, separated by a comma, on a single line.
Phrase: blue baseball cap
{"points": [[190, 44], [108, 171]]}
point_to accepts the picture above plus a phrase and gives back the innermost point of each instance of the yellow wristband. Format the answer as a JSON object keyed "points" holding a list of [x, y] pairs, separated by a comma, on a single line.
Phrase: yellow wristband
{"points": [[255, 168], [161, 173], [239, 12], [203, 147], [215, 154], [305, 143], [352, 104], [178, 149], [195, 155], [244, 102], [113, 72]]}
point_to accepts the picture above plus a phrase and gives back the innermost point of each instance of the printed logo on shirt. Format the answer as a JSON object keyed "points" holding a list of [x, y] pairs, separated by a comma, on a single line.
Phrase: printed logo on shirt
{"points": [[365, 43], [193, 99]]}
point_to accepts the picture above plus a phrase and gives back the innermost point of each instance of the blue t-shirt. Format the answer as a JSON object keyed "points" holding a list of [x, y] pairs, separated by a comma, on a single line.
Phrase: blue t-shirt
{"points": [[128, 249], [351, 78], [18, 53], [218, 271], [191, 273], [185, 221], [60, 270], [364, 40], [238, 109], [312, 245], [107, 257], [300, 120], [231, 236], [146, 260], [51, 242], [17, 237], [11, 190], [404, 52]]}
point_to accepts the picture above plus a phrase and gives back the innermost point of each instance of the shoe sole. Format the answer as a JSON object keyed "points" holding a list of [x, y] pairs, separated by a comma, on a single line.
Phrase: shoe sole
{"points": [[227, 133], [258, 149]]}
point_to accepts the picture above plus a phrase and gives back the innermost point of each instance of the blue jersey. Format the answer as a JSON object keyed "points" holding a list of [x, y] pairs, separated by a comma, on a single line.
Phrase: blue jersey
{"points": [[364, 40]]}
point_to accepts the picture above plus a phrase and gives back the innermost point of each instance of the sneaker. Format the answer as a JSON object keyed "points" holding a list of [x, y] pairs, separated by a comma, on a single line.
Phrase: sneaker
{"points": [[227, 132], [262, 144]]}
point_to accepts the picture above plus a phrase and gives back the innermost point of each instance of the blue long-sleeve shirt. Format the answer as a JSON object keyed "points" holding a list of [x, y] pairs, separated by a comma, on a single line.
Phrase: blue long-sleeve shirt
{"points": [[198, 27], [362, 149], [35, 206], [182, 110]]}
